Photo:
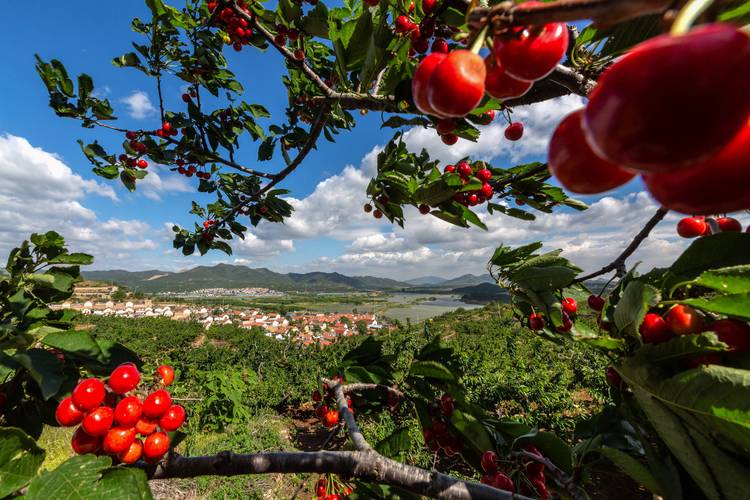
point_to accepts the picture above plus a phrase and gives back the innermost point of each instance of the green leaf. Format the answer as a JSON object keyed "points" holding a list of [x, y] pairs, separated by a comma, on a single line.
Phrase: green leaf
{"points": [[76, 342], [80, 259], [432, 369], [712, 252], [315, 23], [398, 442], [20, 459], [737, 305], [679, 348], [45, 369], [726, 280], [90, 477], [397, 121], [472, 431], [636, 300], [544, 278], [630, 466]]}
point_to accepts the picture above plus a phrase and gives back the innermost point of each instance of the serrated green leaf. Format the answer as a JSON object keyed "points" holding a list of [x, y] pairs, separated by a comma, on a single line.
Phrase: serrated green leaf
{"points": [[432, 369], [20, 459], [635, 302]]}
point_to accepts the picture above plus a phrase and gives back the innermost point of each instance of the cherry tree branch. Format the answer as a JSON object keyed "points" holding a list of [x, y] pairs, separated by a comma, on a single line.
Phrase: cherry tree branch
{"points": [[360, 443], [349, 388], [367, 466], [619, 263], [562, 478]]}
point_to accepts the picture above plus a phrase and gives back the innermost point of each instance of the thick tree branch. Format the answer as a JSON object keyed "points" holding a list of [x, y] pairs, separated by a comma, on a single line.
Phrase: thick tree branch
{"points": [[602, 12], [619, 263], [360, 443], [367, 466], [349, 388]]}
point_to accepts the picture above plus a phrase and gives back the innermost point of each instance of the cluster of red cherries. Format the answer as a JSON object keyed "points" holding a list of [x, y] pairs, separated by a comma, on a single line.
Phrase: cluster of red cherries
{"points": [[326, 409], [446, 127], [693, 227], [453, 84], [466, 171], [569, 310], [293, 35], [640, 120], [533, 470], [239, 30], [112, 415], [438, 436], [330, 487], [419, 34], [191, 170], [685, 320], [137, 146]]}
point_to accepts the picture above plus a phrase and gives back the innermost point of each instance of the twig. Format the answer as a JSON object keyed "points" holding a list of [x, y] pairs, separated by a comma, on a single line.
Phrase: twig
{"points": [[562, 478], [619, 263], [348, 388]]}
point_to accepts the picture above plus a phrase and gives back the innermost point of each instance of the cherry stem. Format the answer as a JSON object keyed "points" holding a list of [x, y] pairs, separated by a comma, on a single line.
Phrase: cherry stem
{"points": [[688, 15], [478, 42]]}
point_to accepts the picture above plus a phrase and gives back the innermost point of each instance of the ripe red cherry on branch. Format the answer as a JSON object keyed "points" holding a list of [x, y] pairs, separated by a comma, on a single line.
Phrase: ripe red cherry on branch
{"points": [[567, 324], [118, 439], [165, 373], [654, 329], [489, 462], [99, 421], [514, 131], [146, 426], [88, 394], [569, 305], [424, 209], [449, 139], [428, 6], [133, 453], [172, 419], [536, 321], [445, 126], [499, 84], [684, 320], [734, 333], [532, 52], [67, 414], [124, 378], [717, 185], [128, 411], [613, 378], [596, 302], [155, 446], [377, 213], [464, 169], [691, 227], [484, 175], [456, 85], [639, 115], [421, 80], [440, 45], [729, 225], [403, 24], [575, 165], [83, 443], [156, 404]]}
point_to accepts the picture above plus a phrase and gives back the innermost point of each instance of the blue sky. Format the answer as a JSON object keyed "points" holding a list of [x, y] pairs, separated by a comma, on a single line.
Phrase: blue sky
{"points": [[49, 185]]}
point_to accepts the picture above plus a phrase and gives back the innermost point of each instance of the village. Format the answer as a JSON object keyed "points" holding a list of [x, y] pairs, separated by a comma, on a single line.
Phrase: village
{"points": [[306, 328]]}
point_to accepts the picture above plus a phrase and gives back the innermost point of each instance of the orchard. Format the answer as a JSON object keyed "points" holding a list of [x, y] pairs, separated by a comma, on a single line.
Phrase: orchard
{"points": [[667, 104]]}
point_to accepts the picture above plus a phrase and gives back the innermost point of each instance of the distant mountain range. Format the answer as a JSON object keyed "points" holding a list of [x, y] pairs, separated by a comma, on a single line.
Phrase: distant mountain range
{"points": [[230, 276]]}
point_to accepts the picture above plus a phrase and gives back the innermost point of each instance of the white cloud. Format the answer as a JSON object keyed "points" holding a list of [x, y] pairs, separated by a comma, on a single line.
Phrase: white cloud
{"points": [[40, 193], [139, 105], [153, 186]]}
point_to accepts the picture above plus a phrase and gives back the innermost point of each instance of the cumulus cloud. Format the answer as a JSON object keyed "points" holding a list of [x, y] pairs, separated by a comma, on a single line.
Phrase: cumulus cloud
{"points": [[40, 193], [139, 105], [154, 186]]}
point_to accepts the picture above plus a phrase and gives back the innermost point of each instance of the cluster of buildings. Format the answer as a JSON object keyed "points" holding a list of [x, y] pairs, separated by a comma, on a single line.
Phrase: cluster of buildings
{"points": [[226, 292], [307, 328]]}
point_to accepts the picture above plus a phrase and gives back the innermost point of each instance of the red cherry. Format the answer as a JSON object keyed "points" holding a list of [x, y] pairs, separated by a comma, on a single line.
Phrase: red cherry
{"points": [[489, 462], [118, 439], [422, 77], [567, 324], [155, 446], [445, 126], [536, 321], [316, 396], [372, 3], [596, 302], [691, 227], [487, 190], [403, 24], [464, 169], [424, 209], [67, 414], [124, 378], [156, 404], [503, 482], [88, 394], [654, 329], [299, 54], [172, 419], [421, 45], [83, 443], [569, 305], [487, 117], [331, 418], [237, 46], [131, 135], [279, 39], [532, 52], [473, 199], [440, 45], [98, 421], [684, 320], [457, 83], [500, 84], [718, 185], [367, 208], [133, 453], [514, 131], [449, 169], [613, 378], [446, 405], [165, 373], [128, 411], [734, 333], [186, 97], [729, 225], [146, 426], [377, 213], [428, 6], [709, 65], [449, 139], [484, 175], [576, 166]]}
